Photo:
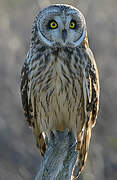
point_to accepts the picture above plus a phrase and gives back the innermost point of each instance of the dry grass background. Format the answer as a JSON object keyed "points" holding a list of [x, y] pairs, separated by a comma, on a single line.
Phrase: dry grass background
{"points": [[19, 157]]}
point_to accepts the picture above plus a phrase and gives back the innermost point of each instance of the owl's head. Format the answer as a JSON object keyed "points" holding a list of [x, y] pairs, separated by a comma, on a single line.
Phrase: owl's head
{"points": [[60, 26]]}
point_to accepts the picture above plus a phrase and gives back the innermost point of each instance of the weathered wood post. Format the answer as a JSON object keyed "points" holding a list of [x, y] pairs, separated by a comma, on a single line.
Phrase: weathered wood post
{"points": [[59, 158]]}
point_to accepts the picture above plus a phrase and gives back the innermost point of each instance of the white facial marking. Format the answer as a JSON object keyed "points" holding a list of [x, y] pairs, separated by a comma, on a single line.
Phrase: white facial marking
{"points": [[55, 37]]}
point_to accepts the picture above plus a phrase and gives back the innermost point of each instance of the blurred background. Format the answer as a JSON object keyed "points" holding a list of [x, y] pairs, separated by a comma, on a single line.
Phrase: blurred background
{"points": [[19, 157]]}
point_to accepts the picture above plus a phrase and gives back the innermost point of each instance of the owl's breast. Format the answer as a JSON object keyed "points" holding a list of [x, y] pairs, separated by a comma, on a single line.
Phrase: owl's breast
{"points": [[59, 99]]}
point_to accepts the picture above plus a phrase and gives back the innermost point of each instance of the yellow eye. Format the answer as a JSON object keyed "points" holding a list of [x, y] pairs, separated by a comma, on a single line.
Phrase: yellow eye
{"points": [[72, 25], [53, 25]]}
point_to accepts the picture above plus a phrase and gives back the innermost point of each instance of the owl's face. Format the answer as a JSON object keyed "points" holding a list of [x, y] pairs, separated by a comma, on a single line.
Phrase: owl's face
{"points": [[61, 26]]}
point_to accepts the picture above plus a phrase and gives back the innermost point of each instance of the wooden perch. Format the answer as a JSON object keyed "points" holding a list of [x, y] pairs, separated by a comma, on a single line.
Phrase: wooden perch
{"points": [[59, 158]]}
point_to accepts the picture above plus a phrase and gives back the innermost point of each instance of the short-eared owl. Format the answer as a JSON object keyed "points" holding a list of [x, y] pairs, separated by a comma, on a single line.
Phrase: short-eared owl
{"points": [[59, 79]]}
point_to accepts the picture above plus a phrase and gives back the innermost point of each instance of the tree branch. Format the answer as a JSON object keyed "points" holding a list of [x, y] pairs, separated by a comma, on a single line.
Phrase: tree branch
{"points": [[59, 158]]}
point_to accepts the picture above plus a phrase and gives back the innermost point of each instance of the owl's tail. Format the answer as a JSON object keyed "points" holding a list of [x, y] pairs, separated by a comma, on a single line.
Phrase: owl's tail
{"points": [[83, 152]]}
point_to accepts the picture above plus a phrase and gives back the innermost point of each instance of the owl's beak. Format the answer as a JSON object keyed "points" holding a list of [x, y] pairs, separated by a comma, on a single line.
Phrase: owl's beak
{"points": [[64, 35]]}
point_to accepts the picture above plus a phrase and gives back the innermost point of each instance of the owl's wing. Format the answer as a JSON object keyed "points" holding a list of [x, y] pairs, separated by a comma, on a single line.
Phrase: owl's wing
{"points": [[28, 110], [91, 105], [93, 88], [24, 92]]}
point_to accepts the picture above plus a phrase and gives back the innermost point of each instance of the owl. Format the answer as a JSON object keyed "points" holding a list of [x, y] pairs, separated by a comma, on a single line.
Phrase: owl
{"points": [[59, 78]]}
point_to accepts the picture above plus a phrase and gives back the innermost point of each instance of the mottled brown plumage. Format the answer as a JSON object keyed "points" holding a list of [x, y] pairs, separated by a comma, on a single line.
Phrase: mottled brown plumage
{"points": [[60, 87]]}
